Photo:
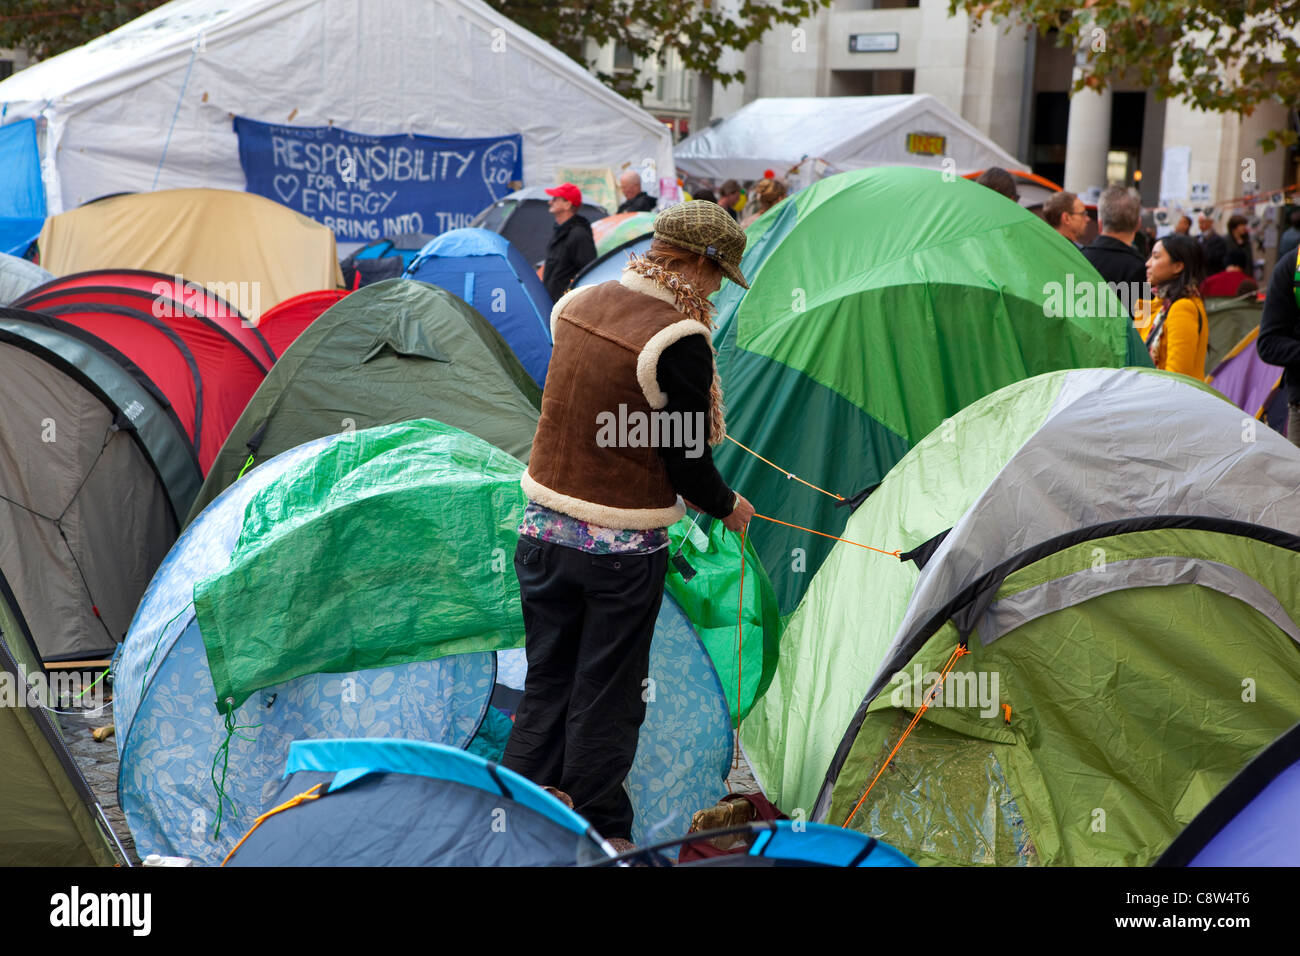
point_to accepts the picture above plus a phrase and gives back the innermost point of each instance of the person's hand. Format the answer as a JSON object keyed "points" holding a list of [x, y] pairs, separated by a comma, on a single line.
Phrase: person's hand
{"points": [[740, 515]]}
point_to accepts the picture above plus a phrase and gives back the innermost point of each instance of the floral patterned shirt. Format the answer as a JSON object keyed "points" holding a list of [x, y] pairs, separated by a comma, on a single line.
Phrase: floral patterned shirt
{"points": [[546, 525]]}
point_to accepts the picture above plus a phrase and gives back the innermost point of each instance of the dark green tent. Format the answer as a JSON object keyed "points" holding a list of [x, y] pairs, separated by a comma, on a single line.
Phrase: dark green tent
{"points": [[48, 815], [390, 352]]}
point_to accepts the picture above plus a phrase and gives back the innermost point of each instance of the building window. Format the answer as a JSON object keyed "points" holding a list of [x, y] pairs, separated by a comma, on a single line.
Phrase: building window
{"points": [[872, 82], [623, 58], [6, 69], [848, 6]]}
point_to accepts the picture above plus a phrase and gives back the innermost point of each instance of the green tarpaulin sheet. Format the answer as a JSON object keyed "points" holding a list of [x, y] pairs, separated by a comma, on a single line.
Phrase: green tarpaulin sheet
{"points": [[357, 559]]}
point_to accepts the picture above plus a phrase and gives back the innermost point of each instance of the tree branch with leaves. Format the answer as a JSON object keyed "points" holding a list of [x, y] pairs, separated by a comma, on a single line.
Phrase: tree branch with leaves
{"points": [[699, 31], [1225, 56]]}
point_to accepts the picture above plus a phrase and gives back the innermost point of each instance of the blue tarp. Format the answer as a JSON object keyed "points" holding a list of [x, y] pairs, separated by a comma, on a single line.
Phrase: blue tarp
{"points": [[485, 270], [22, 195]]}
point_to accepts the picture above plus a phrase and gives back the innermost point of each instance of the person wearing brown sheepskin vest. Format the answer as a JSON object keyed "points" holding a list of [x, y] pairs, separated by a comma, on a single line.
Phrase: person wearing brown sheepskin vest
{"points": [[631, 407]]}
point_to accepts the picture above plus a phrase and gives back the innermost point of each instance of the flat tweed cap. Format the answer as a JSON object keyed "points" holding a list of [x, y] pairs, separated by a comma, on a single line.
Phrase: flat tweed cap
{"points": [[706, 228]]}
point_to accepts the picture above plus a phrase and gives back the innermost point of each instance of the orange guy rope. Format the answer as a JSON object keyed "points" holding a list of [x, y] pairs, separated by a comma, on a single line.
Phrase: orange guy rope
{"points": [[958, 652], [740, 641], [892, 554], [287, 805], [788, 474]]}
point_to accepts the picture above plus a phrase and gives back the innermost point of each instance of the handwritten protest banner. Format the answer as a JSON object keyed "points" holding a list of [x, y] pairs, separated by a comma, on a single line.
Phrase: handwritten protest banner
{"points": [[367, 187], [596, 182]]}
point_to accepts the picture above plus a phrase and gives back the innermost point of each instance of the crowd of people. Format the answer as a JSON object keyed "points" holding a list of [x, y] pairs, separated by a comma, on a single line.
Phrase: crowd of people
{"points": [[572, 245], [1178, 272]]}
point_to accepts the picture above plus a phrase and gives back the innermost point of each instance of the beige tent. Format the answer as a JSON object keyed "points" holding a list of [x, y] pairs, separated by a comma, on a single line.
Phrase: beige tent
{"points": [[251, 251]]}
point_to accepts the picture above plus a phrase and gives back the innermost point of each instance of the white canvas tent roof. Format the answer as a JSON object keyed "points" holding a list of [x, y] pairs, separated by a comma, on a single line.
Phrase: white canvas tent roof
{"points": [[848, 132], [149, 105]]}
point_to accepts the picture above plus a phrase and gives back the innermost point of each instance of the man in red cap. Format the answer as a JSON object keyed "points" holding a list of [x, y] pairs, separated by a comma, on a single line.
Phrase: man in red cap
{"points": [[571, 246]]}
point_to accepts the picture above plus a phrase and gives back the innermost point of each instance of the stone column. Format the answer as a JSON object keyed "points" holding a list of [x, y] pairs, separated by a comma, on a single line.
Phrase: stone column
{"points": [[1088, 140]]}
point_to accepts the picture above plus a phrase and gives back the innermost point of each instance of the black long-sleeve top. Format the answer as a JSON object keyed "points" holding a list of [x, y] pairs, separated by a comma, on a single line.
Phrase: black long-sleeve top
{"points": [[1279, 326], [685, 376]]}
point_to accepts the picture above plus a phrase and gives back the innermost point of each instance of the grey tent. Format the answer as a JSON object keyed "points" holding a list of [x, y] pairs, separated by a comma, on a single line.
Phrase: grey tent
{"points": [[389, 352], [48, 814], [94, 474], [18, 277], [522, 217]]}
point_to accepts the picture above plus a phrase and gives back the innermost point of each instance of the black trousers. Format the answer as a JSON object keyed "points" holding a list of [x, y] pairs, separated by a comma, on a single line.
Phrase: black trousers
{"points": [[589, 620]]}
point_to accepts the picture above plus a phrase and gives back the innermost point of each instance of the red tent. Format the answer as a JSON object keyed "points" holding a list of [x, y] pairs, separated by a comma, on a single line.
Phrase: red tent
{"points": [[201, 357], [283, 323]]}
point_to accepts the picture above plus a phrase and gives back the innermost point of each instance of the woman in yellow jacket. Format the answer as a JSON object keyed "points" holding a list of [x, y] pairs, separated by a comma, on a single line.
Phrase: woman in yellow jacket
{"points": [[1174, 324]]}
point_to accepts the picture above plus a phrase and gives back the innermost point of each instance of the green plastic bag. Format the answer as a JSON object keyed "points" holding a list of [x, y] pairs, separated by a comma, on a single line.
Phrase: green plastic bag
{"points": [[711, 597]]}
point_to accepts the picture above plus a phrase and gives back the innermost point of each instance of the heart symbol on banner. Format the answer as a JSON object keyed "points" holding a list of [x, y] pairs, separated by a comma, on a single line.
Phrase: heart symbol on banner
{"points": [[286, 186], [498, 163]]}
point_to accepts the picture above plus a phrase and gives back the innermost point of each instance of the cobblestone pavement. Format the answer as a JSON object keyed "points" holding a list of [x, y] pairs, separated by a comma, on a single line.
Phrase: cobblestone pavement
{"points": [[98, 763]]}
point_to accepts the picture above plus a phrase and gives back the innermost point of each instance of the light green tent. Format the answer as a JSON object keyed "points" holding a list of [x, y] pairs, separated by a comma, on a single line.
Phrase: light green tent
{"points": [[1118, 556], [390, 352], [48, 815], [883, 301]]}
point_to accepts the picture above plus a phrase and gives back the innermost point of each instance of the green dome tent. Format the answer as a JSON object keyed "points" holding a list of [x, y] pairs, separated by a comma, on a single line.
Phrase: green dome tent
{"points": [[48, 814], [883, 301], [1117, 551], [390, 352]]}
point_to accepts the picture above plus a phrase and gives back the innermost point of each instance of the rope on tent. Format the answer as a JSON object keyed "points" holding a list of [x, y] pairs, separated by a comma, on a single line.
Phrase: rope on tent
{"points": [[959, 651], [245, 468], [162, 632], [194, 51], [287, 805], [58, 524], [892, 554], [740, 641], [223, 755], [788, 474]]}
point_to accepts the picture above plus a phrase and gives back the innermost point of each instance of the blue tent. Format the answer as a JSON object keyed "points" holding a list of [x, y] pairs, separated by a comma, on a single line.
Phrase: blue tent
{"points": [[1252, 821], [485, 270], [407, 803], [22, 194], [407, 246], [611, 264], [170, 735], [797, 843], [172, 740]]}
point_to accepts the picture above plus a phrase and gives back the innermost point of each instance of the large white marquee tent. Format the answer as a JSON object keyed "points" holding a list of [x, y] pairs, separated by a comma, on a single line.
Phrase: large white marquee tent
{"points": [[843, 132], [150, 105]]}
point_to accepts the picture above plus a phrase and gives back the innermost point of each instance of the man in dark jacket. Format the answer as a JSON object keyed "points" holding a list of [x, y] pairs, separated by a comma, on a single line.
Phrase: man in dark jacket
{"points": [[1279, 335], [1213, 245], [1112, 253], [634, 198], [571, 246]]}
